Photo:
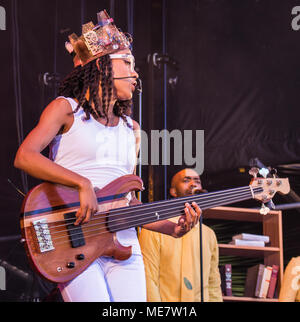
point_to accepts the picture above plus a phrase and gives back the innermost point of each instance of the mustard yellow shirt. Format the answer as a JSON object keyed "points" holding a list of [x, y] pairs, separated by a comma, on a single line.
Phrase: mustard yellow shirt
{"points": [[290, 288], [172, 266]]}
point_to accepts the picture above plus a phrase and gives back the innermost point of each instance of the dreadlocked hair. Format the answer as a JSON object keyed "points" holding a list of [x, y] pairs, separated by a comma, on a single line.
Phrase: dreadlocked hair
{"points": [[87, 78]]}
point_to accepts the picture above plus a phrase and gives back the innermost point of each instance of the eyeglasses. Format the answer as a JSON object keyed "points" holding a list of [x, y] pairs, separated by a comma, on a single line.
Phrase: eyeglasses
{"points": [[128, 57]]}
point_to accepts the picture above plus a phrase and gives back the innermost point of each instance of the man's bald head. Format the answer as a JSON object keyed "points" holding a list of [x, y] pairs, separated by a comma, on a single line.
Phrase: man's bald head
{"points": [[184, 182]]}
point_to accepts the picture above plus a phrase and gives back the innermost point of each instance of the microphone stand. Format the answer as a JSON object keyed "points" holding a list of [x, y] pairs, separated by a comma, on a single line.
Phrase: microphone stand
{"points": [[199, 191], [201, 258], [140, 95]]}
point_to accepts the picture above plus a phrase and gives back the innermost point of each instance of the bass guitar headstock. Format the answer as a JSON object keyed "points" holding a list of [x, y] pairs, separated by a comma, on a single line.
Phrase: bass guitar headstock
{"points": [[269, 184]]}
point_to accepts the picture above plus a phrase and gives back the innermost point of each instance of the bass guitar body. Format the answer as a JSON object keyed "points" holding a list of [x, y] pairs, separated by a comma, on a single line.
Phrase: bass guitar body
{"points": [[59, 250]]}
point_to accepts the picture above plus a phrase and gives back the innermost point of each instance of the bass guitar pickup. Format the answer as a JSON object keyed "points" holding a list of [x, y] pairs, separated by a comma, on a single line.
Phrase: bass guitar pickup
{"points": [[75, 232]]}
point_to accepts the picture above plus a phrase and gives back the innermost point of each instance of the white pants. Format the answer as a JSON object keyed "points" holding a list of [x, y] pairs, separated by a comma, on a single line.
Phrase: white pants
{"points": [[108, 280]]}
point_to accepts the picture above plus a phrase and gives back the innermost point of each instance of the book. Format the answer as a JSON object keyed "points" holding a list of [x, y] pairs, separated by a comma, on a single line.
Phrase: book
{"points": [[245, 236], [242, 242], [260, 273], [226, 279], [273, 281], [265, 283], [252, 279]]}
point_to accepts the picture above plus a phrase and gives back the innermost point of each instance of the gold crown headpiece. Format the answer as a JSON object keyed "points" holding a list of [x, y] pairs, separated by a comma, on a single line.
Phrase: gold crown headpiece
{"points": [[102, 39]]}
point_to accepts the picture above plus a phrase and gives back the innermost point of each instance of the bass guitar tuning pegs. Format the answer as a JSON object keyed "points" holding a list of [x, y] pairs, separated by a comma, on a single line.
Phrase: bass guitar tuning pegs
{"points": [[253, 172], [273, 172], [264, 210], [264, 172]]}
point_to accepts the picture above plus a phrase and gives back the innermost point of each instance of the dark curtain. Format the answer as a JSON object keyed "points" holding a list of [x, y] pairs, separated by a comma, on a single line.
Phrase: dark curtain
{"points": [[238, 80]]}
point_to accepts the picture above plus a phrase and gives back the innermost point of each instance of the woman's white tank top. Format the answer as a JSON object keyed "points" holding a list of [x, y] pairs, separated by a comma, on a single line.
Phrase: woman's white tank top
{"points": [[99, 153]]}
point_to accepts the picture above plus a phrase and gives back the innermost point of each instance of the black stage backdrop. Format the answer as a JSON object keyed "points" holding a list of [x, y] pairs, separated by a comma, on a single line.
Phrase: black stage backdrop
{"points": [[236, 75]]}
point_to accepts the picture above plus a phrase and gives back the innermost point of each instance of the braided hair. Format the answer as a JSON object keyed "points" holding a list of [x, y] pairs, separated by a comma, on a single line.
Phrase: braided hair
{"points": [[88, 77]]}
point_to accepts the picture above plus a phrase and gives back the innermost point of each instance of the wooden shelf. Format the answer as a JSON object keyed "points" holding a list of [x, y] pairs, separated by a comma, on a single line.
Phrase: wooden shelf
{"points": [[246, 299], [246, 251], [237, 214]]}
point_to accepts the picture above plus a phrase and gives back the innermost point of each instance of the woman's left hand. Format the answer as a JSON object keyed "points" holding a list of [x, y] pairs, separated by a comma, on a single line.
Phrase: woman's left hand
{"points": [[187, 221]]}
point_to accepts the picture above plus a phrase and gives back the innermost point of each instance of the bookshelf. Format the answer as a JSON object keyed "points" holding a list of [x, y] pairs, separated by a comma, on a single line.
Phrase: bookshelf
{"points": [[271, 225], [246, 299]]}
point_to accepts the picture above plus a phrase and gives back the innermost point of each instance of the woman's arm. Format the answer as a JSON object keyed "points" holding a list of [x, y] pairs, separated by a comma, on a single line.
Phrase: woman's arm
{"points": [[184, 225], [186, 222], [57, 114]]}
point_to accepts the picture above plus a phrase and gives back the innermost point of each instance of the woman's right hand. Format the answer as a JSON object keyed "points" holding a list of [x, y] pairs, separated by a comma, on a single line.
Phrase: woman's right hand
{"points": [[88, 203]]}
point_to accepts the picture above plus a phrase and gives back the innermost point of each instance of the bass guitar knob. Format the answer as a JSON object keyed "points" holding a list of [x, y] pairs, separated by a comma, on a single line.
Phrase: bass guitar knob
{"points": [[71, 265], [80, 257]]}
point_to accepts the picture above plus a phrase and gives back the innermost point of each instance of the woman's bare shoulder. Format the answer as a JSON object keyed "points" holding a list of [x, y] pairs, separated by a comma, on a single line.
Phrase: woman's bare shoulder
{"points": [[135, 125], [59, 105]]}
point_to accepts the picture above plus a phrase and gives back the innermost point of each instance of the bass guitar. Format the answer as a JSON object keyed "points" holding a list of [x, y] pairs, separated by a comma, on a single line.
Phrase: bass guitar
{"points": [[59, 251]]}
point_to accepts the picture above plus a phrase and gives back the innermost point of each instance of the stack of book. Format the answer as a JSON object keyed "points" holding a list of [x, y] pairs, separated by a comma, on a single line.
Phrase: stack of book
{"points": [[261, 281], [250, 240]]}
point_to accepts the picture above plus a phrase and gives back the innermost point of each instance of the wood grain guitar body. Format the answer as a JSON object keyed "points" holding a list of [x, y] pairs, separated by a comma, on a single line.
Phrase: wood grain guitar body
{"points": [[57, 249]]}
